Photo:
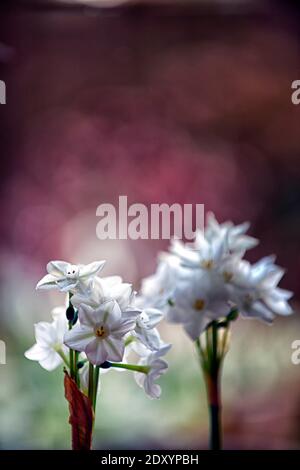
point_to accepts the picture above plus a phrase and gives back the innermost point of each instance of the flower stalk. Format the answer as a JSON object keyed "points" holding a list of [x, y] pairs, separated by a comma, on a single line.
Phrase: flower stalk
{"points": [[133, 367], [211, 357]]}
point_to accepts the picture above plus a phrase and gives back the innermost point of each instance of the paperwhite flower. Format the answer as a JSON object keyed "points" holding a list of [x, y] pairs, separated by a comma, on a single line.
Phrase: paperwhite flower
{"points": [[213, 247], [104, 289], [197, 301], [157, 367], [100, 333], [212, 278], [237, 240], [69, 277], [254, 289], [203, 253], [49, 346], [158, 288], [145, 329]]}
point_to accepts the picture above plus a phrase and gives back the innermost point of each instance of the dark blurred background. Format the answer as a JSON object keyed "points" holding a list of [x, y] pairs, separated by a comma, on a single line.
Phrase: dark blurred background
{"points": [[163, 102]]}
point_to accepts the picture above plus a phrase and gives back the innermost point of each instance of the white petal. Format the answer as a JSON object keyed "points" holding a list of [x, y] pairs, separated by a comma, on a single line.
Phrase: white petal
{"points": [[273, 278], [91, 269], [65, 285], [280, 307], [47, 282], [87, 316], [122, 327], [201, 243], [96, 352], [44, 333], [115, 349], [219, 308], [195, 327], [258, 310], [111, 281], [79, 337], [153, 390], [109, 312], [60, 325], [177, 314], [57, 268], [51, 362], [37, 353], [155, 316]]}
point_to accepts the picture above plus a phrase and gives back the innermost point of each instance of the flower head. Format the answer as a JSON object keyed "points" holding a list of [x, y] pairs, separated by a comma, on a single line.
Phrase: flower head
{"points": [[69, 277], [155, 366], [212, 278], [145, 330], [101, 332], [104, 289], [197, 301], [49, 349]]}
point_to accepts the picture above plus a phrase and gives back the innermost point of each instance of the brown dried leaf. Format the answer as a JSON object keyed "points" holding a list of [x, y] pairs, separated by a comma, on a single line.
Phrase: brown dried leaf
{"points": [[81, 415]]}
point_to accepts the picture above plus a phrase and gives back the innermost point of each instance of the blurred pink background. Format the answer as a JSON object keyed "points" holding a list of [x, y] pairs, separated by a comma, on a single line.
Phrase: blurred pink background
{"points": [[162, 104]]}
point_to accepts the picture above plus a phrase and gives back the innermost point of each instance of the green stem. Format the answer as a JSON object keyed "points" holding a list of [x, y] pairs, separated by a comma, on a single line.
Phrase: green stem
{"points": [[96, 382], [91, 383], [213, 391], [134, 367], [210, 362]]}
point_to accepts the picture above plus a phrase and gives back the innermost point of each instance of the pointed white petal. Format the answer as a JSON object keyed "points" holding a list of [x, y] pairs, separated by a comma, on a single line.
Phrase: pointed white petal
{"points": [[52, 361], [115, 348], [57, 268], [47, 282], [96, 352], [79, 337], [37, 353], [91, 269], [87, 315]]}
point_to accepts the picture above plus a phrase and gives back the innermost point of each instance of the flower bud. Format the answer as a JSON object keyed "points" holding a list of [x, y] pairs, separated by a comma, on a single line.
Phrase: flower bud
{"points": [[105, 365]]}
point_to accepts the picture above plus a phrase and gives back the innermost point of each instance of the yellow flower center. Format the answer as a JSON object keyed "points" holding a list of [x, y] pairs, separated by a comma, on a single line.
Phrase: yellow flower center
{"points": [[101, 332], [207, 264], [227, 276], [199, 304]]}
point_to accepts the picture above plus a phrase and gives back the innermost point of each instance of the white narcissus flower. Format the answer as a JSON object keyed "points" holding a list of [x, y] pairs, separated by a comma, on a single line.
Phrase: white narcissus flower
{"points": [[49, 348], [69, 277], [158, 288], [104, 289], [237, 240], [203, 253], [101, 332], [145, 330], [254, 290], [212, 278], [197, 301], [156, 368]]}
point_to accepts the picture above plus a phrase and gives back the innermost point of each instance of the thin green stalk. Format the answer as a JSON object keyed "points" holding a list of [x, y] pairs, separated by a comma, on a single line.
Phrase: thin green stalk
{"points": [[213, 391], [211, 361], [224, 342], [96, 382], [91, 383], [208, 346], [134, 367]]}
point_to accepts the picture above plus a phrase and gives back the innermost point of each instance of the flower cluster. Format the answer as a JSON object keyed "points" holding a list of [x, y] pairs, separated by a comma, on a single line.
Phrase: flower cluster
{"points": [[196, 284], [100, 325]]}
